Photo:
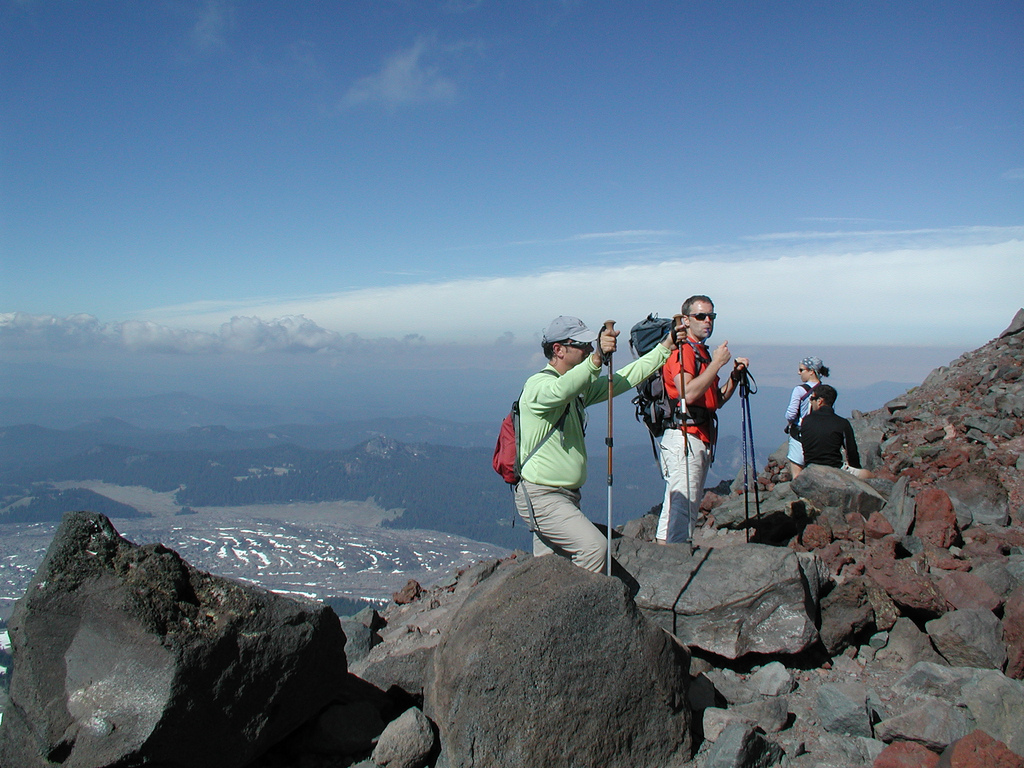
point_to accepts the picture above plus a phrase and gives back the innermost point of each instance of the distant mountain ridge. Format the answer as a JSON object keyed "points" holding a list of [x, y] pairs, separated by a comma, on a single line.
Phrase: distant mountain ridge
{"points": [[25, 445]]}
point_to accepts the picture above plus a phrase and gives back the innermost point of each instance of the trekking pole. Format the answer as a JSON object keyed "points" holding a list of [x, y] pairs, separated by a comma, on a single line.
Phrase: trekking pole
{"points": [[683, 414], [749, 469], [609, 326]]}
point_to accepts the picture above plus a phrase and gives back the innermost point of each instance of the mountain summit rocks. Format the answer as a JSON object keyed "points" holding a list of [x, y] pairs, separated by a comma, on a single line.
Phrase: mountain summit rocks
{"points": [[548, 664], [126, 655]]}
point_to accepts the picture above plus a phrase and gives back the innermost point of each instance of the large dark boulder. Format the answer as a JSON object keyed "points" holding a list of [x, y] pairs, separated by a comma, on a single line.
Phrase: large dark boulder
{"points": [[547, 664], [126, 655]]}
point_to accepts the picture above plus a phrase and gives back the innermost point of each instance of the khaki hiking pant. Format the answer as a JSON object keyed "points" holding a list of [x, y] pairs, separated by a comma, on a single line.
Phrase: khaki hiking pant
{"points": [[561, 528]]}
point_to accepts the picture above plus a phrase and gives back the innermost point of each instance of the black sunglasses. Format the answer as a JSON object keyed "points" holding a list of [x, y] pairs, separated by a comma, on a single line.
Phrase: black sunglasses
{"points": [[584, 345], [702, 316]]}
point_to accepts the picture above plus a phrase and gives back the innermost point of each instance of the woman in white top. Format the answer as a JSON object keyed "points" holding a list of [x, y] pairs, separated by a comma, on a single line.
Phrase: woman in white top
{"points": [[811, 371]]}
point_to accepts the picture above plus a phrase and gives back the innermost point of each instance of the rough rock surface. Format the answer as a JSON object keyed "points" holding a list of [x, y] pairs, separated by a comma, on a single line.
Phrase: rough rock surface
{"points": [[126, 655], [548, 664], [729, 601]]}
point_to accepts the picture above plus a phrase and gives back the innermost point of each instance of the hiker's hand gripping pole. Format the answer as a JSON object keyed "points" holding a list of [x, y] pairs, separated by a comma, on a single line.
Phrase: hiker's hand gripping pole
{"points": [[609, 327], [683, 416], [679, 337]]}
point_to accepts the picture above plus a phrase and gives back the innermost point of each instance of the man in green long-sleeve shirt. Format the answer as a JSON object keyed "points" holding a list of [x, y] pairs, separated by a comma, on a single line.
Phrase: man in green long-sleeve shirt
{"points": [[553, 469]]}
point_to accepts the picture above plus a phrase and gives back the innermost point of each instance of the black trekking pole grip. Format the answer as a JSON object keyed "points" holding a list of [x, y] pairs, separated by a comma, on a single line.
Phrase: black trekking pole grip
{"points": [[676, 320]]}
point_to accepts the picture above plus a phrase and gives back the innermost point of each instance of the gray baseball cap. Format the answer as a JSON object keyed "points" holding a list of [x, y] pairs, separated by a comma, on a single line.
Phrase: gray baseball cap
{"points": [[564, 328]]}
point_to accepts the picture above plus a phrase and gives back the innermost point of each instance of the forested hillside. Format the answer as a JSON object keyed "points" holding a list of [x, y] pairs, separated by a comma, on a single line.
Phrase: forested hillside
{"points": [[442, 488], [436, 487]]}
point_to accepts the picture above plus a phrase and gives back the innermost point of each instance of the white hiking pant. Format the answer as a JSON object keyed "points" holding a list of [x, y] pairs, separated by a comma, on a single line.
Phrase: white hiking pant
{"points": [[681, 506]]}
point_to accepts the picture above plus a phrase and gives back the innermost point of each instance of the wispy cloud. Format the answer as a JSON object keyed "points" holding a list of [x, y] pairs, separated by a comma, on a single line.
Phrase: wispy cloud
{"points": [[244, 335], [213, 21], [625, 237], [794, 288], [1014, 174], [413, 75], [893, 235], [628, 236]]}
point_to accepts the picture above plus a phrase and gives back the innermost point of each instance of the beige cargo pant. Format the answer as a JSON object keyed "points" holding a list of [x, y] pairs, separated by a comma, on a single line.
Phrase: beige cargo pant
{"points": [[558, 525]]}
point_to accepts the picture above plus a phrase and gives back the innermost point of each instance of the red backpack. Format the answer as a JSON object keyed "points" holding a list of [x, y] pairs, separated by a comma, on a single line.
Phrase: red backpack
{"points": [[506, 451]]}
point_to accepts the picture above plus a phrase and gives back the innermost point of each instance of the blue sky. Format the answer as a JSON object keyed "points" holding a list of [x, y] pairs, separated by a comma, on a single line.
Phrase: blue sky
{"points": [[461, 171]]}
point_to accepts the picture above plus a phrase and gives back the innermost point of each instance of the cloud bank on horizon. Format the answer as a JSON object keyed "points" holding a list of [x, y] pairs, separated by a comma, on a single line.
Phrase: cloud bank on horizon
{"points": [[932, 287], [195, 179]]}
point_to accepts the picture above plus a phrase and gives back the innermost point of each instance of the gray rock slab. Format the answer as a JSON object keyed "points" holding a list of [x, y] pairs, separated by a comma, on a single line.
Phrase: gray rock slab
{"points": [[905, 646], [770, 715], [777, 505], [772, 679], [843, 708], [997, 705], [359, 639], [741, 746], [747, 598], [831, 488], [933, 722], [407, 741], [411, 632], [997, 576], [994, 701], [899, 508], [969, 637], [716, 720], [733, 687]]}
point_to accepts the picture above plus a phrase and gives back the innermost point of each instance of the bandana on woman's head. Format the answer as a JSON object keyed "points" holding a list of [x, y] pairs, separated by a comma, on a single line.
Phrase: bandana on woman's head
{"points": [[814, 363]]}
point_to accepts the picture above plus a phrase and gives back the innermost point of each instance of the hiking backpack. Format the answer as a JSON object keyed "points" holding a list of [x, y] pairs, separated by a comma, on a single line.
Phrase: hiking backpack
{"points": [[506, 450], [654, 407], [793, 427]]}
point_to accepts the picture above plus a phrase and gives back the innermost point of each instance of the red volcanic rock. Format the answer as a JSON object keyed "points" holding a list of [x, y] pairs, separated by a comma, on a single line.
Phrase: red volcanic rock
{"points": [[855, 527], [411, 591], [877, 526], [834, 557], [906, 587], [710, 501], [906, 754], [965, 590], [951, 459], [1013, 633], [979, 750], [943, 560], [884, 547], [913, 474], [815, 536], [934, 518], [986, 548]]}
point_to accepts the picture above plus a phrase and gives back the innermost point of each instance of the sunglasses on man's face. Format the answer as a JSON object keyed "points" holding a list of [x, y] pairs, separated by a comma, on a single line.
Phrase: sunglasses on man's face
{"points": [[585, 346], [702, 316]]}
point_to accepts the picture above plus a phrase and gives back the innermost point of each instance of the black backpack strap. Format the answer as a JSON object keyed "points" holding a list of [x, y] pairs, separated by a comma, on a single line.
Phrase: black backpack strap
{"points": [[700, 361]]}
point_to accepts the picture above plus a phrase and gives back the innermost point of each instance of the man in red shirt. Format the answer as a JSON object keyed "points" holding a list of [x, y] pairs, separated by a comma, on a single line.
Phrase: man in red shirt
{"points": [[685, 450]]}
